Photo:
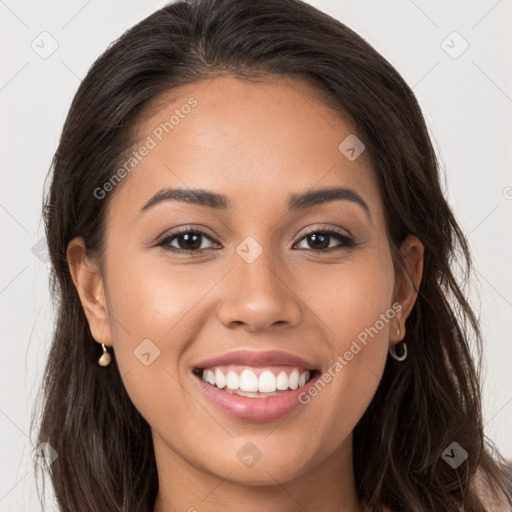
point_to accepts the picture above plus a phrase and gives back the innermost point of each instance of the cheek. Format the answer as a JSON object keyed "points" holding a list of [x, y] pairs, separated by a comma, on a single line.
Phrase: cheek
{"points": [[154, 310], [349, 297], [152, 299], [357, 316]]}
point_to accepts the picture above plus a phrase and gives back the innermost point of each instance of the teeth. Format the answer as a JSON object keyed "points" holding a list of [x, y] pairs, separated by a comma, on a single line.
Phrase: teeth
{"points": [[267, 382], [233, 380], [220, 380], [293, 380], [248, 381], [209, 376], [282, 381]]}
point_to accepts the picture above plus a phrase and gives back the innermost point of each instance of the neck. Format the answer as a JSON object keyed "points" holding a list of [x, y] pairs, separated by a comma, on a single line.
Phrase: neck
{"points": [[329, 484]]}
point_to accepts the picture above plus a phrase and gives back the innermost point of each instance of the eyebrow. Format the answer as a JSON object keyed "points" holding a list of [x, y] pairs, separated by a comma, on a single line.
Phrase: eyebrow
{"points": [[208, 199]]}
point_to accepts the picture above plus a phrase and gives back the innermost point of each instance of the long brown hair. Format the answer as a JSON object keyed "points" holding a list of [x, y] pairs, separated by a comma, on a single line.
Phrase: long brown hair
{"points": [[105, 453]]}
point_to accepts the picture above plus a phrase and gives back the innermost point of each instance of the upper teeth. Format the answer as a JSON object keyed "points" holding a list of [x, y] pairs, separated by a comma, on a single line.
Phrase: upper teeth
{"points": [[247, 380]]}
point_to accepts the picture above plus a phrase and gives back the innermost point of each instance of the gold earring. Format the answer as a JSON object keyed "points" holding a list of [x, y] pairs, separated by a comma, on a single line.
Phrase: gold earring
{"points": [[105, 358]]}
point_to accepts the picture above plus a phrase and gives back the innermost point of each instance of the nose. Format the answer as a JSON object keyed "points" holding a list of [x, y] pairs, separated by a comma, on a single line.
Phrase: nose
{"points": [[258, 295]]}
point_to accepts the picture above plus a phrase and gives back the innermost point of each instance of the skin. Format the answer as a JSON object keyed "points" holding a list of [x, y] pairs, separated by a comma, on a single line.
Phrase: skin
{"points": [[255, 143]]}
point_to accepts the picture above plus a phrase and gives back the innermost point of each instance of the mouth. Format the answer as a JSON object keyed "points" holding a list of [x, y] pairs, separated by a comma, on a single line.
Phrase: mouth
{"points": [[255, 387], [255, 382]]}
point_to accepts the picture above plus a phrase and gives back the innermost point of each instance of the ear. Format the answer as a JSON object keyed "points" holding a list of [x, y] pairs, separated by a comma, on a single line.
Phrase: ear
{"points": [[88, 282], [407, 282]]}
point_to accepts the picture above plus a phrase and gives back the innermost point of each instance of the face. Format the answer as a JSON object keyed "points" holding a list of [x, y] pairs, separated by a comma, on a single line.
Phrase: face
{"points": [[258, 288]]}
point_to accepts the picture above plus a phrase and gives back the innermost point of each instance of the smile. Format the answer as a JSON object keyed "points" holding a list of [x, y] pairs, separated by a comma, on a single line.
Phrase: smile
{"points": [[255, 394], [255, 382]]}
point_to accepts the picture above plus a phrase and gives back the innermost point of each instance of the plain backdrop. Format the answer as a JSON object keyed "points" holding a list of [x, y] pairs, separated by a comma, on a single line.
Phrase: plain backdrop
{"points": [[455, 55]]}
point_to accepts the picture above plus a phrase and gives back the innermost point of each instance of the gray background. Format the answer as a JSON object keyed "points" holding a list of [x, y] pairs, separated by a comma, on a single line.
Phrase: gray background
{"points": [[466, 98]]}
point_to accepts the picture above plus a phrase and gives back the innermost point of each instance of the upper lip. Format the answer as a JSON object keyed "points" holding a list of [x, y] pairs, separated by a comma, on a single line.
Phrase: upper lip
{"points": [[257, 358]]}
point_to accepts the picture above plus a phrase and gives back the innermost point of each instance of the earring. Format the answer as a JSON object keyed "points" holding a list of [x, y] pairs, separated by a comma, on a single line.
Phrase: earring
{"points": [[392, 349], [105, 358]]}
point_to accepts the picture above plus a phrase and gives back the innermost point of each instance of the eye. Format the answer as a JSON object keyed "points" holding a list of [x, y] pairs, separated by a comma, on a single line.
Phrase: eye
{"points": [[320, 239], [187, 240], [190, 241]]}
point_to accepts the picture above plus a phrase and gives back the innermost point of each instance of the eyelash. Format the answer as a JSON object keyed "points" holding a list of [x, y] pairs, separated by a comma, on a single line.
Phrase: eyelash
{"points": [[346, 241]]}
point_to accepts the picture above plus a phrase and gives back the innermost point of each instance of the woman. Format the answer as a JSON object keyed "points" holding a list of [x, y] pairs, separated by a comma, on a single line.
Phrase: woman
{"points": [[252, 253]]}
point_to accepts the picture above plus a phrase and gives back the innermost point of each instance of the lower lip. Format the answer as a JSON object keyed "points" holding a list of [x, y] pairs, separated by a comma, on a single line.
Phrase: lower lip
{"points": [[254, 409]]}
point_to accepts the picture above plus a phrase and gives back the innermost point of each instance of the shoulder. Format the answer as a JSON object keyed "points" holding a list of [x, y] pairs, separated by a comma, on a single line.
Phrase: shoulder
{"points": [[484, 491], [491, 502]]}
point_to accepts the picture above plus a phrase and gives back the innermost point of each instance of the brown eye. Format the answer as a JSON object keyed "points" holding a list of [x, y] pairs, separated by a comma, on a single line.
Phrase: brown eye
{"points": [[185, 241], [320, 240]]}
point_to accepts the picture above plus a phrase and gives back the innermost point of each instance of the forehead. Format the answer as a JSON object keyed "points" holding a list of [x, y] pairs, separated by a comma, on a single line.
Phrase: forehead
{"points": [[257, 143]]}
